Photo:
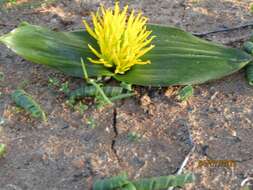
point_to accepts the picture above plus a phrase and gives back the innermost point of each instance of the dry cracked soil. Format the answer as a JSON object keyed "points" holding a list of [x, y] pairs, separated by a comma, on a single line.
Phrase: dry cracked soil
{"points": [[67, 153]]}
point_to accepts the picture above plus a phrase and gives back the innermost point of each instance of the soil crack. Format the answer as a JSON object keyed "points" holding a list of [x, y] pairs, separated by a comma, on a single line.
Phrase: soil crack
{"points": [[115, 130]]}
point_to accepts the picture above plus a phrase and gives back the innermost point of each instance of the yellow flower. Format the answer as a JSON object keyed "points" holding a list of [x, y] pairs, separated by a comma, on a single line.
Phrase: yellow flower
{"points": [[122, 39]]}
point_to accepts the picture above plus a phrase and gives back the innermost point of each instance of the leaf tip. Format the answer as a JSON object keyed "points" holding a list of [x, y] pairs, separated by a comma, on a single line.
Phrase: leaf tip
{"points": [[24, 23], [2, 38]]}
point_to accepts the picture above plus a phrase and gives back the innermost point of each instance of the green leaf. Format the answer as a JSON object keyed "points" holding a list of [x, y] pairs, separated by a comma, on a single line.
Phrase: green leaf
{"points": [[91, 91], [1, 76], [179, 58], [59, 50], [2, 150], [185, 93], [134, 137], [164, 182], [111, 183], [251, 8], [156, 183], [249, 73], [24, 100], [248, 47], [126, 86], [128, 186]]}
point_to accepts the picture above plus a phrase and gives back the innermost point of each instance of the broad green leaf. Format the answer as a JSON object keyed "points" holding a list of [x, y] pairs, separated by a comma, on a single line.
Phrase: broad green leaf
{"points": [[24, 100], [156, 183], [59, 50], [112, 183], [178, 58], [164, 182]]}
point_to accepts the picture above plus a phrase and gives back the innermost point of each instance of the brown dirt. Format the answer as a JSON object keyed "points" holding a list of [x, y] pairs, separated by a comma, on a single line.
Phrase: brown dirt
{"points": [[67, 154]]}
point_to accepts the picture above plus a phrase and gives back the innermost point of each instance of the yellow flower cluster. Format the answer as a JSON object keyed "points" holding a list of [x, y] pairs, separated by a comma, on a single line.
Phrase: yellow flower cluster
{"points": [[122, 39]]}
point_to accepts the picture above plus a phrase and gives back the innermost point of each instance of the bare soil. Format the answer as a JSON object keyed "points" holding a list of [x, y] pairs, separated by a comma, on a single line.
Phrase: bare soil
{"points": [[66, 153]]}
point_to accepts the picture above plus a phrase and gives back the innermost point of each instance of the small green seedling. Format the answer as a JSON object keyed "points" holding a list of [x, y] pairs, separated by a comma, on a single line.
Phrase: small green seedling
{"points": [[2, 150], [8, 1], [23, 84], [133, 136], [1, 76], [53, 82], [251, 8], [70, 103], [65, 88], [91, 122], [185, 93], [81, 108]]}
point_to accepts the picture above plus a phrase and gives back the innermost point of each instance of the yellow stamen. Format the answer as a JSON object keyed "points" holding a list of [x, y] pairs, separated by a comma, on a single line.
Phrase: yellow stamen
{"points": [[122, 39]]}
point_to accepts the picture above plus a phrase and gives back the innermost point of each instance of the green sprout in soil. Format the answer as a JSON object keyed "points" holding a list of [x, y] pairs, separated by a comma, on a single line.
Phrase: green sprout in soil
{"points": [[185, 93], [91, 122], [65, 87], [81, 107], [23, 84], [8, 1], [1, 76], [134, 137], [2, 150], [251, 8], [53, 82]]}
